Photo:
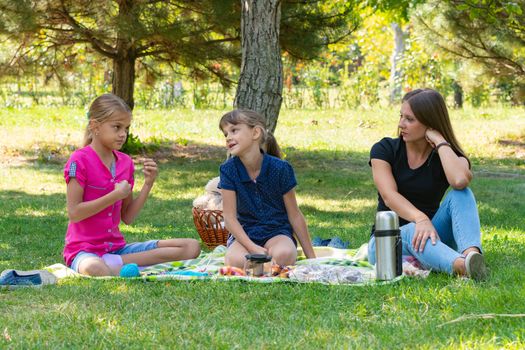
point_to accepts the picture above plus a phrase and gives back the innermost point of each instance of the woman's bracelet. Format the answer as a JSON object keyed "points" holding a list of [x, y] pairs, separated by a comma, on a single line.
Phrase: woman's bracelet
{"points": [[417, 222], [444, 143]]}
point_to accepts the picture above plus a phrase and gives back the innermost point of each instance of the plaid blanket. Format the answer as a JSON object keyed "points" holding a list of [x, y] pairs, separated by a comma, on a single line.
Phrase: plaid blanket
{"points": [[332, 266]]}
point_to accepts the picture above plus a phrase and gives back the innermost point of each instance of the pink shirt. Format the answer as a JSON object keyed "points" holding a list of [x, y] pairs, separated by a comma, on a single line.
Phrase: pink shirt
{"points": [[98, 234]]}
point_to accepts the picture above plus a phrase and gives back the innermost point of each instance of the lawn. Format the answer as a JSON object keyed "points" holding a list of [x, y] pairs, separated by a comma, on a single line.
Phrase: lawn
{"points": [[329, 152]]}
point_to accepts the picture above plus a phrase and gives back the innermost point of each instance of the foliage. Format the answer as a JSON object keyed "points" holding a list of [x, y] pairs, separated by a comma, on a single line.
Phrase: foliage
{"points": [[317, 24], [360, 68], [356, 72], [490, 32], [133, 145], [396, 10]]}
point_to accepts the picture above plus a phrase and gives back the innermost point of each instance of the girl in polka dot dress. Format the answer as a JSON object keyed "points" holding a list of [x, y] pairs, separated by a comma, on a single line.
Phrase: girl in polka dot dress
{"points": [[258, 190], [99, 194]]}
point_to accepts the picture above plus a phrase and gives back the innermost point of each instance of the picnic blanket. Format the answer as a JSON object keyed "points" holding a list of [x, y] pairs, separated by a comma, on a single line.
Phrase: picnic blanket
{"points": [[332, 266]]}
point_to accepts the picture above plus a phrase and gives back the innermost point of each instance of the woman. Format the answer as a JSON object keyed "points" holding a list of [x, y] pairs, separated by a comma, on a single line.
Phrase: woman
{"points": [[412, 173]]}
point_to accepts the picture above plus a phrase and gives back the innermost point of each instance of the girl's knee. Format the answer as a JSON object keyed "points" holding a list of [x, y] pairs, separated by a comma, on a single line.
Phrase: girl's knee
{"points": [[284, 257], [188, 248], [94, 268], [181, 248], [193, 248], [234, 260]]}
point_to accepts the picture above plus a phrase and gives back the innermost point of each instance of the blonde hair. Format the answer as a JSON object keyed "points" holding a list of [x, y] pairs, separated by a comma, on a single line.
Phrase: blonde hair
{"points": [[101, 110], [253, 120]]}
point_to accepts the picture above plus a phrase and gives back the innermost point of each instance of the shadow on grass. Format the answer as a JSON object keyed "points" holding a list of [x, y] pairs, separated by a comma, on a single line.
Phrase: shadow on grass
{"points": [[33, 228], [50, 152]]}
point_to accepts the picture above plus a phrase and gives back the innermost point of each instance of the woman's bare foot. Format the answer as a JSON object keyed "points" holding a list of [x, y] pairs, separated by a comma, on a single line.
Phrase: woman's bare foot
{"points": [[458, 266], [471, 249]]}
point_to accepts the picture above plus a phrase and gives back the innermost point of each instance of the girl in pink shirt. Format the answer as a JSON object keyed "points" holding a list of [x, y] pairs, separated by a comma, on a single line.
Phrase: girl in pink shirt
{"points": [[99, 194]]}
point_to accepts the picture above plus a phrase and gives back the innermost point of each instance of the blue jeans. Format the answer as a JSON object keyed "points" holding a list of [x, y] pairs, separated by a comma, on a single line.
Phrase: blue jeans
{"points": [[457, 224]]}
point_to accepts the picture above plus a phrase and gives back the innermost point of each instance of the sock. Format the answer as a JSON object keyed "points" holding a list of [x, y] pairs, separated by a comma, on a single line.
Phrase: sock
{"points": [[113, 260]]}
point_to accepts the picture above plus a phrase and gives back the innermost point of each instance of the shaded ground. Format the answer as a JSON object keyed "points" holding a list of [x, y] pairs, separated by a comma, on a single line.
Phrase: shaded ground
{"points": [[165, 151]]}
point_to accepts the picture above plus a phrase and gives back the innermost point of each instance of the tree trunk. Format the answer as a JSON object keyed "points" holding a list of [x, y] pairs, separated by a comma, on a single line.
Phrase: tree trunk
{"points": [[397, 55], [260, 83], [458, 95], [123, 80]]}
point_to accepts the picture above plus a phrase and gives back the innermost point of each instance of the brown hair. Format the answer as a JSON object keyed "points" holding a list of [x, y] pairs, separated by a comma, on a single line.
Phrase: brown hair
{"points": [[430, 109], [253, 120], [101, 110]]}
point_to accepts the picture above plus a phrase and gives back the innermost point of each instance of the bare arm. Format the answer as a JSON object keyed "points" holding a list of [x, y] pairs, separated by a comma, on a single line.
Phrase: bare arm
{"points": [[387, 187], [456, 168], [131, 207], [78, 210], [232, 224], [296, 218]]}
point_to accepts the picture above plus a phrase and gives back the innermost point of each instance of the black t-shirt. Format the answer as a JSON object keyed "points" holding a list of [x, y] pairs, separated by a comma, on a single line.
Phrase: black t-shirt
{"points": [[423, 187]]}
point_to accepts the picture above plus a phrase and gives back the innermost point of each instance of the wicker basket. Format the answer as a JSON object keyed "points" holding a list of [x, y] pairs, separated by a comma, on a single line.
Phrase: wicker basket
{"points": [[210, 226]]}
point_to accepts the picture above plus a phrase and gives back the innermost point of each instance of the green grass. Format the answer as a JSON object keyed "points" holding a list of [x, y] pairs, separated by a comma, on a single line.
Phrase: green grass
{"points": [[329, 151]]}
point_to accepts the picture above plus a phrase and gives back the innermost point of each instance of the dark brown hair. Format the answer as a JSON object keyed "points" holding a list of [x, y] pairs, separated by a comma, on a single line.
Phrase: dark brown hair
{"points": [[101, 110], [430, 109], [253, 120]]}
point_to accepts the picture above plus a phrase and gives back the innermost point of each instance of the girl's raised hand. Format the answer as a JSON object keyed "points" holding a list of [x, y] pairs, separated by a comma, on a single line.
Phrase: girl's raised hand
{"points": [[150, 171], [122, 189]]}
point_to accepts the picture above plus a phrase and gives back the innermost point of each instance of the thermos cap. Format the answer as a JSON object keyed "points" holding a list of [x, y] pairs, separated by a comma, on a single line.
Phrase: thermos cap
{"points": [[258, 257], [386, 220]]}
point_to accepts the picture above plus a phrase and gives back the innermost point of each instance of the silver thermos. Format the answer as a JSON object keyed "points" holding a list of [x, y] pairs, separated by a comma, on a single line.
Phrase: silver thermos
{"points": [[388, 246]]}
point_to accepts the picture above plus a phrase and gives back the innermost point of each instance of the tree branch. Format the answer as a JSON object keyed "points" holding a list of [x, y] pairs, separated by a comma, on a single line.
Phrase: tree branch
{"points": [[99, 46]]}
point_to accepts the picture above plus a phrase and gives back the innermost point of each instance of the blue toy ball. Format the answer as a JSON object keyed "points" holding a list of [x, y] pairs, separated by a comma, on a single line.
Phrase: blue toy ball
{"points": [[130, 270]]}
